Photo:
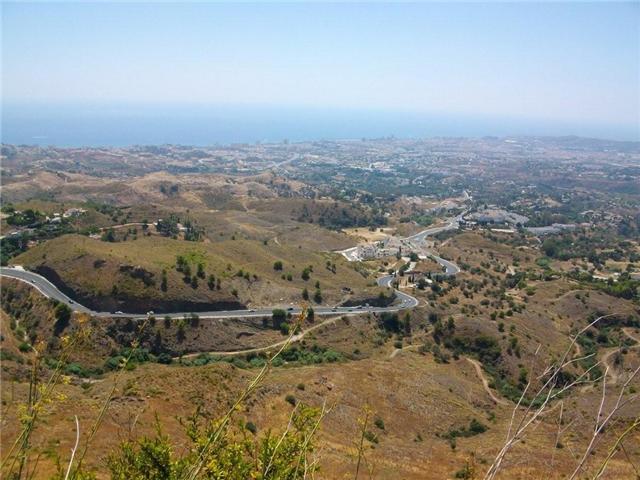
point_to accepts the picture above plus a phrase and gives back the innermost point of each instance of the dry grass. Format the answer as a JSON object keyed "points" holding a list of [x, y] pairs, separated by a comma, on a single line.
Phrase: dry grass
{"points": [[73, 258]]}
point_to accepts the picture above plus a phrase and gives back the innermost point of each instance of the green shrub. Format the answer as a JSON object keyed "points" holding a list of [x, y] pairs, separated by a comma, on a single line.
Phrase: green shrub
{"points": [[251, 427]]}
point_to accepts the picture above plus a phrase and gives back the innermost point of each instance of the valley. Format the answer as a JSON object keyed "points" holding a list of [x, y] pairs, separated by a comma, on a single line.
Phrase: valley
{"points": [[426, 298]]}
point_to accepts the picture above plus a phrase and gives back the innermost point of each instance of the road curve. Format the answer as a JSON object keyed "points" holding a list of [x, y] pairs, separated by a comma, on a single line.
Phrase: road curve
{"points": [[453, 223], [49, 290], [404, 300]]}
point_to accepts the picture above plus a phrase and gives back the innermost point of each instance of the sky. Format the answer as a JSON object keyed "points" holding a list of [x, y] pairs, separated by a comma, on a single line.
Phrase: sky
{"points": [[577, 63]]}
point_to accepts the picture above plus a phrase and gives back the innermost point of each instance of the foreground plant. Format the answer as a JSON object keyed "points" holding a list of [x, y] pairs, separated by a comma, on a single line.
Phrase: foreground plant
{"points": [[236, 453], [221, 449], [217, 449], [41, 396], [525, 418]]}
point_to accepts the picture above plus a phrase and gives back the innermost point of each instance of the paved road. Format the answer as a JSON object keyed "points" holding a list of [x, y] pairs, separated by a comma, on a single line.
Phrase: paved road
{"points": [[449, 267], [49, 290], [403, 301], [452, 224]]}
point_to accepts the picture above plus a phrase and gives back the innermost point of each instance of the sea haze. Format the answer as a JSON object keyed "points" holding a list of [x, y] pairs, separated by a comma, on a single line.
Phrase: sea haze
{"points": [[129, 124]]}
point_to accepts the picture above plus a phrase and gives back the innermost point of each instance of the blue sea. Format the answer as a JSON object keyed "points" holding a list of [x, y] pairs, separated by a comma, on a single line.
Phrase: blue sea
{"points": [[137, 124]]}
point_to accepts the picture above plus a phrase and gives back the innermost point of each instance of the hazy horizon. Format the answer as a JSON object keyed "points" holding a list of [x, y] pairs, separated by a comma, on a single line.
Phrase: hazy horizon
{"points": [[110, 73], [121, 125]]}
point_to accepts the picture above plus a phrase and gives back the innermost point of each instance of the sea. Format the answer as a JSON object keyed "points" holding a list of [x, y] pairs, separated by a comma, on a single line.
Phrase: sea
{"points": [[121, 124]]}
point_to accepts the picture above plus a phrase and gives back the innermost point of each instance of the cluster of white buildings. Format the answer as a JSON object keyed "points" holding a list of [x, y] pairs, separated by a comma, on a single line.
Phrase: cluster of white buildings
{"points": [[70, 213]]}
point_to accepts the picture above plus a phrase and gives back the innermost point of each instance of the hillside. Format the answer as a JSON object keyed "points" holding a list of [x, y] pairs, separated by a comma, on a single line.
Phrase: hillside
{"points": [[128, 275]]}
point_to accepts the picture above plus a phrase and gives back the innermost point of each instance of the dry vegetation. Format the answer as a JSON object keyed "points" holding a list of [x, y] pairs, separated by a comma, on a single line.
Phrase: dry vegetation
{"points": [[433, 394]]}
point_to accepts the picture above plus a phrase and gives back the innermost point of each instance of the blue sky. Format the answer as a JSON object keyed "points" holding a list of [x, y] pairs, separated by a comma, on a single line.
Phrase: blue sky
{"points": [[568, 62]]}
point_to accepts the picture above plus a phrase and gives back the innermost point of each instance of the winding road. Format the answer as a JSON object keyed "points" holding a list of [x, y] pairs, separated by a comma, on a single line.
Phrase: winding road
{"points": [[49, 290], [452, 223], [403, 300]]}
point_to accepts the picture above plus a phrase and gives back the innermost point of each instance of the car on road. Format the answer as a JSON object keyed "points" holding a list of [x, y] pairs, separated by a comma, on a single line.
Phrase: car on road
{"points": [[252, 310], [290, 309], [119, 312], [150, 312]]}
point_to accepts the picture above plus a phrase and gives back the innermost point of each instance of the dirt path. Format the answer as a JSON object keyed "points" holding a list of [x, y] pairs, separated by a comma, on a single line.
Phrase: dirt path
{"points": [[124, 225], [396, 351], [627, 331], [485, 383], [294, 339], [579, 350], [570, 292], [613, 371]]}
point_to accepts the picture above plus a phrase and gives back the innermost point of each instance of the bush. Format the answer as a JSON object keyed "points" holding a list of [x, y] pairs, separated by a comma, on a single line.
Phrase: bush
{"points": [[370, 436], [290, 399], [251, 427], [389, 322], [62, 314], [317, 296], [164, 358], [233, 456], [278, 316], [306, 274]]}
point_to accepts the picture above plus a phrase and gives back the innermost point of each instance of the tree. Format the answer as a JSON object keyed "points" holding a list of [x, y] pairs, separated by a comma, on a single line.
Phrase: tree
{"points": [[389, 322], [451, 325], [157, 342], [163, 283], [305, 293], [211, 282], [277, 265], [306, 274], [108, 236], [317, 296], [278, 317], [550, 247], [62, 314], [180, 334], [407, 324], [180, 263], [201, 273]]}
